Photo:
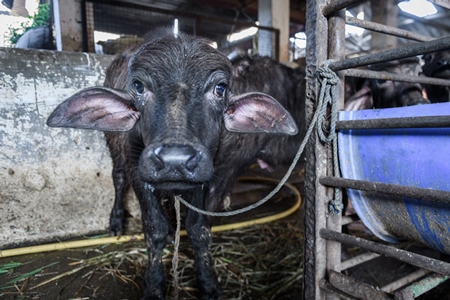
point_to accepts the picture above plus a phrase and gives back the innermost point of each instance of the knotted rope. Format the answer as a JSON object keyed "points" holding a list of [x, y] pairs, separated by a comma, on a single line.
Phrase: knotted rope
{"points": [[329, 96]]}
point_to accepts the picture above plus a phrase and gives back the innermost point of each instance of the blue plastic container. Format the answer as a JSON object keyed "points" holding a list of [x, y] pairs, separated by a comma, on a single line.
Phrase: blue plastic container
{"points": [[409, 157]]}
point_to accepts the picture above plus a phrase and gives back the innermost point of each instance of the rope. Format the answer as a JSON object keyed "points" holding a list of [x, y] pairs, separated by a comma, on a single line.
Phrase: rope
{"points": [[175, 250], [328, 95]]}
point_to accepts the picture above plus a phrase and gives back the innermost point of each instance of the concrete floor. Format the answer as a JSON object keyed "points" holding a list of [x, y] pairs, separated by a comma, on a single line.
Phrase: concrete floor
{"points": [[101, 285]]}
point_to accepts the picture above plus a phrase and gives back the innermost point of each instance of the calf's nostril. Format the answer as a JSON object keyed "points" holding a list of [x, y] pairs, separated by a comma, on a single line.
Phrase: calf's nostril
{"points": [[192, 163], [157, 159]]}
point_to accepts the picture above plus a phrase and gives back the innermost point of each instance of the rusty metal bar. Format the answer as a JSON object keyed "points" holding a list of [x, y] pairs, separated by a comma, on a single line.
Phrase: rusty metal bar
{"points": [[316, 157], [337, 5], [391, 189], [418, 288], [394, 123], [351, 286], [349, 219], [336, 51], [405, 280], [354, 261], [402, 255], [373, 26], [396, 77], [326, 286], [401, 52]]}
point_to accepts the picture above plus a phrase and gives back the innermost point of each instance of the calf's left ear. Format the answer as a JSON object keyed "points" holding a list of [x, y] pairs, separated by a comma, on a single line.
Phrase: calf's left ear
{"points": [[258, 113]]}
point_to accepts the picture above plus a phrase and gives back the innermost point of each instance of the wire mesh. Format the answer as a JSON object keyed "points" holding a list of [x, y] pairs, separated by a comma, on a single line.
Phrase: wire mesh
{"points": [[130, 22]]}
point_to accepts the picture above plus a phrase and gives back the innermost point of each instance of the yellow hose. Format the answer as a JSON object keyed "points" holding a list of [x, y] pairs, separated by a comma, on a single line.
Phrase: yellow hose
{"points": [[140, 237]]}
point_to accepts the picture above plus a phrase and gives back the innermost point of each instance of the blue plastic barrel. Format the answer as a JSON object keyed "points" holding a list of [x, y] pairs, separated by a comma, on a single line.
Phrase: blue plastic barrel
{"points": [[415, 157]]}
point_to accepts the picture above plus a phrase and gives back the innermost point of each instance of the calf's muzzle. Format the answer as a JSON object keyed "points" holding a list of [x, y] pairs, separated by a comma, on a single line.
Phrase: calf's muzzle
{"points": [[175, 164]]}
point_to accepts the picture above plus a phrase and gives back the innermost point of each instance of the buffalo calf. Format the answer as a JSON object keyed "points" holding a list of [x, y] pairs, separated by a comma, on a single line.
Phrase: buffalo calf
{"points": [[437, 65], [180, 119], [379, 93]]}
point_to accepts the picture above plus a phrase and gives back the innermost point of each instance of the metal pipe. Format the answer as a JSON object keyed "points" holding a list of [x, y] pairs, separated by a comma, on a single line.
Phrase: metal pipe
{"points": [[389, 288], [394, 123], [336, 50], [391, 189], [402, 255], [357, 260], [355, 288], [314, 257], [398, 53], [349, 219], [373, 26], [418, 288], [396, 77], [324, 285], [337, 5]]}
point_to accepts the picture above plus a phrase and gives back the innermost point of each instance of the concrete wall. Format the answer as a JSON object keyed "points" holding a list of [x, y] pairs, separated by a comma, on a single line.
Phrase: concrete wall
{"points": [[54, 182]]}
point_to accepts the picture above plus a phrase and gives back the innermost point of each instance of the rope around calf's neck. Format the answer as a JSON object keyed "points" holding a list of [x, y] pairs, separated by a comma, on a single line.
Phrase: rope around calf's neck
{"points": [[327, 96]]}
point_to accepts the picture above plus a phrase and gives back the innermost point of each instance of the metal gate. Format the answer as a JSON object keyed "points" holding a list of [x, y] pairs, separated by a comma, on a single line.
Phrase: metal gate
{"points": [[323, 232]]}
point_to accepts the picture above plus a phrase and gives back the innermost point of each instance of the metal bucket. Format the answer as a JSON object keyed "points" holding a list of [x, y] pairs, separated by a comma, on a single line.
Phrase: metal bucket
{"points": [[413, 157]]}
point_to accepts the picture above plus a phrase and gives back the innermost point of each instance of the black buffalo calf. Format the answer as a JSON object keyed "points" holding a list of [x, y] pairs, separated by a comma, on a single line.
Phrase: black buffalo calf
{"points": [[437, 65], [180, 119], [379, 93]]}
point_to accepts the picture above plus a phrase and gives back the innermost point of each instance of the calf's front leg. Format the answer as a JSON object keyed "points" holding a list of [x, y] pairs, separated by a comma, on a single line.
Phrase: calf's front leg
{"points": [[156, 229], [198, 228], [116, 145]]}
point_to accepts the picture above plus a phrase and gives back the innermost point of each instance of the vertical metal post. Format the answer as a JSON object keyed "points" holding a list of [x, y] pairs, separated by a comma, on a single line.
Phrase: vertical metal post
{"points": [[57, 22], [336, 50], [316, 157]]}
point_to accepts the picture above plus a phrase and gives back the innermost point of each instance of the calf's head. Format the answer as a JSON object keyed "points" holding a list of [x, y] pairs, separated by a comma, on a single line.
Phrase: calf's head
{"points": [[437, 65], [175, 101], [388, 93]]}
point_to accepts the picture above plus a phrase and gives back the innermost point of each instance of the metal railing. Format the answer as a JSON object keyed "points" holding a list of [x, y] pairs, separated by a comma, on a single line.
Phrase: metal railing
{"points": [[323, 237]]}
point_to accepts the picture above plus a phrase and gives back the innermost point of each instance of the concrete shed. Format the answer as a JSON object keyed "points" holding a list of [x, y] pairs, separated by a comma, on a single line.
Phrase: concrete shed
{"points": [[54, 183]]}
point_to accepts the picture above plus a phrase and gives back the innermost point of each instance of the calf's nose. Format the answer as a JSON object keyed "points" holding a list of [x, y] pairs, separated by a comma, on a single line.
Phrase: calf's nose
{"points": [[442, 62], [175, 157]]}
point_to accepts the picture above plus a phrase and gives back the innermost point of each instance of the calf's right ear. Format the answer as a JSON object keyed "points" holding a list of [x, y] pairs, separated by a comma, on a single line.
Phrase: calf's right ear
{"points": [[258, 113], [98, 108]]}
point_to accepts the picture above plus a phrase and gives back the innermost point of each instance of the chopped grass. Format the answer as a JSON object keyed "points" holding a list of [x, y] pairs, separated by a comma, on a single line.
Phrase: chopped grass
{"points": [[261, 261], [17, 279]]}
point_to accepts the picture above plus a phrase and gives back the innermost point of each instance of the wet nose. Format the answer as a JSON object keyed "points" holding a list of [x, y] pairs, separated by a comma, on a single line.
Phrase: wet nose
{"points": [[442, 62], [175, 157]]}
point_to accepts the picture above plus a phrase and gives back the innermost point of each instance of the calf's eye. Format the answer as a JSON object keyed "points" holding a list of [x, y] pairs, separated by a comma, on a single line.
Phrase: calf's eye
{"points": [[427, 57], [139, 86], [219, 90]]}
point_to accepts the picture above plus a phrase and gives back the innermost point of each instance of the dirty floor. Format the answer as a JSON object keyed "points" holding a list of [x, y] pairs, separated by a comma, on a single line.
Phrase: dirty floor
{"points": [[256, 262]]}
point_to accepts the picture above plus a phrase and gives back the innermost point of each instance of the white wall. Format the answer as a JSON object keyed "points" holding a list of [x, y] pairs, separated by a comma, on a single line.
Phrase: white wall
{"points": [[53, 182]]}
